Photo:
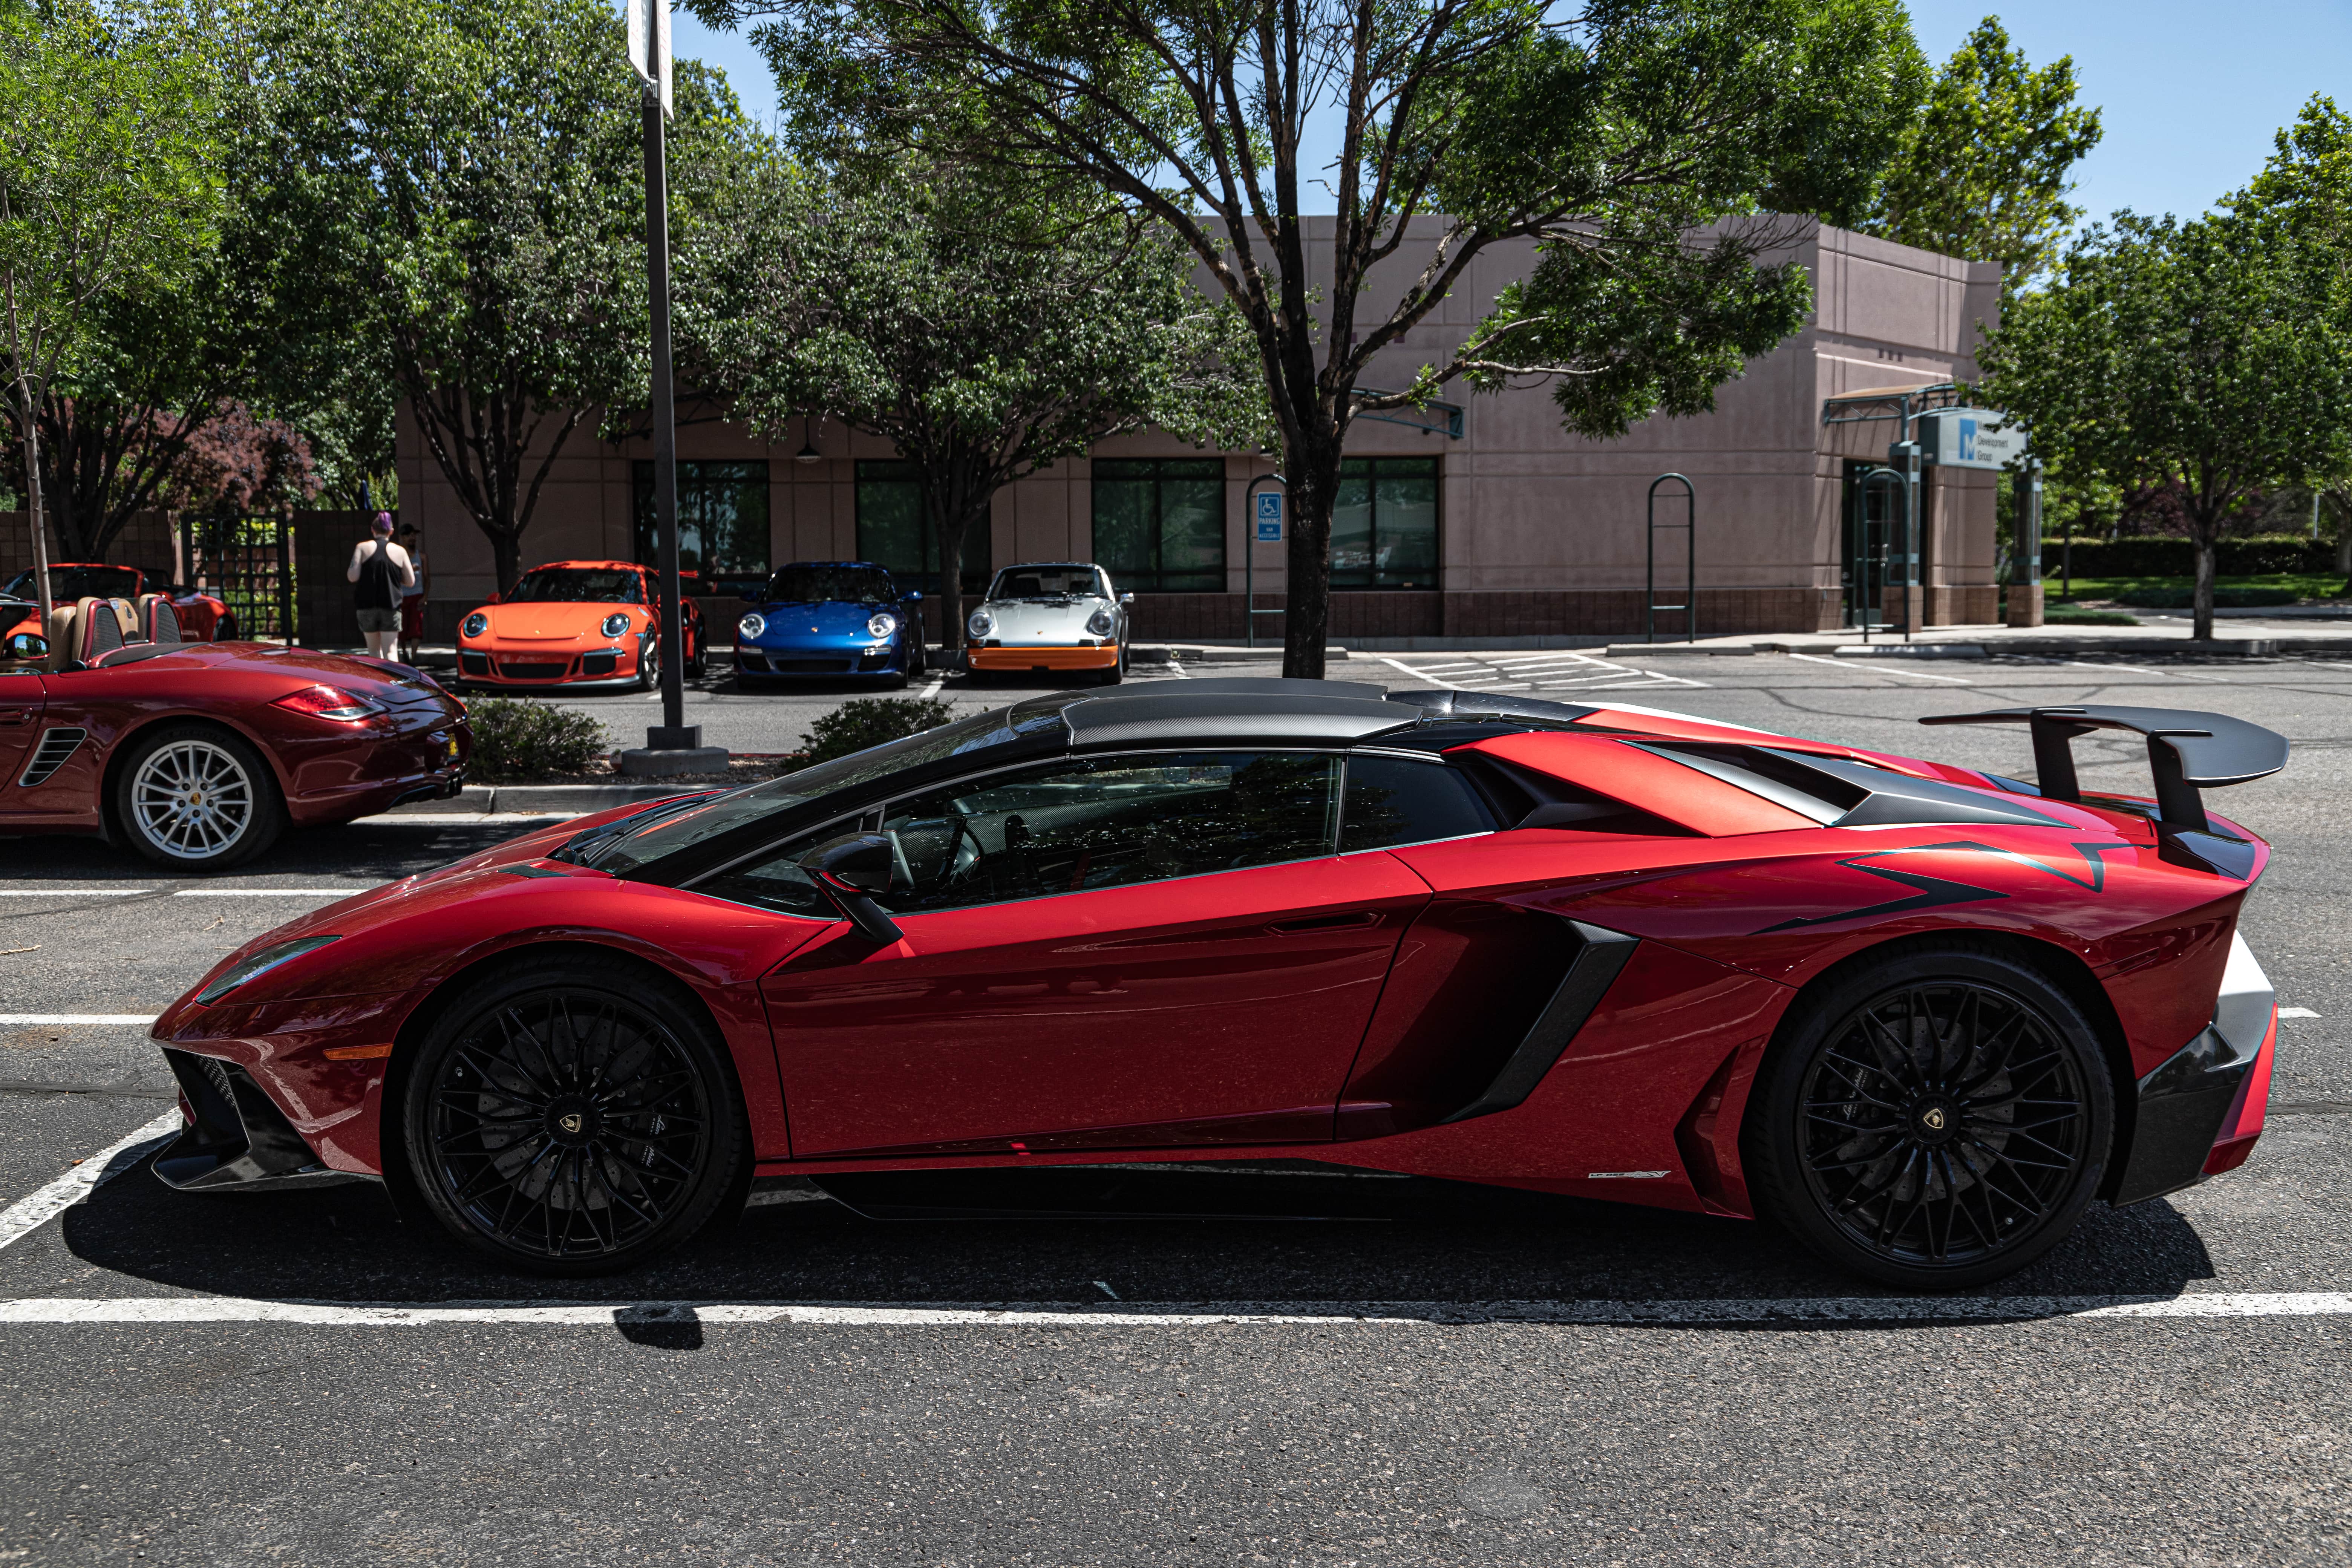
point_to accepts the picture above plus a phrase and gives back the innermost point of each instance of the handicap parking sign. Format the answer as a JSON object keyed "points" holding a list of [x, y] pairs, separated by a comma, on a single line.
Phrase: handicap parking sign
{"points": [[1269, 518]]}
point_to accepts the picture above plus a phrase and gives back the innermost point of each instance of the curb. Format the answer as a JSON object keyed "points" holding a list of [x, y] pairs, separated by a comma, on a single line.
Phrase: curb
{"points": [[531, 799]]}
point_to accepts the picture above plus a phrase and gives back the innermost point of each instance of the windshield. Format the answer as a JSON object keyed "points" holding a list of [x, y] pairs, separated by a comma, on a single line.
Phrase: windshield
{"points": [[68, 584], [830, 584], [656, 837], [1047, 582], [578, 585]]}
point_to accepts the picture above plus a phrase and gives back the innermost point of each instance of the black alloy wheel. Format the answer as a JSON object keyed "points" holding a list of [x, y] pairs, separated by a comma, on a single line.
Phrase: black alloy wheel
{"points": [[1935, 1123], [568, 1120]]}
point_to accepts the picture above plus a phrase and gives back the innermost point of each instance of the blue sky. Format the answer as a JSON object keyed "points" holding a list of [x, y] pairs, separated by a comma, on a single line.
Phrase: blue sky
{"points": [[2191, 94]]}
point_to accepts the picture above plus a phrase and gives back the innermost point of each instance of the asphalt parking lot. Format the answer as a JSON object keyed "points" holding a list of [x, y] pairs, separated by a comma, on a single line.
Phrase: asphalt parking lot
{"points": [[1434, 1375]]}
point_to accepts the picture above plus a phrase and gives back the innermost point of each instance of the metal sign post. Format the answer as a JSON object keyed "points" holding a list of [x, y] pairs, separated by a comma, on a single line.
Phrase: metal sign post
{"points": [[1264, 517], [1689, 525], [649, 53]]}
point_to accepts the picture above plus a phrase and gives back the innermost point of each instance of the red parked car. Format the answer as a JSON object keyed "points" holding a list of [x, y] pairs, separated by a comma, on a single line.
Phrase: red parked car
{"points": [[202, 618], [1921, 1015], [199, 754]]}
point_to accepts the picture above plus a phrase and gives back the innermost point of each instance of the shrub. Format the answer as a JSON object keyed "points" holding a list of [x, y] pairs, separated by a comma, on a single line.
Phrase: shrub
{"points": [[2075, 615], [2254, 557], [2223, 598], [515, 740], [868, 721]]}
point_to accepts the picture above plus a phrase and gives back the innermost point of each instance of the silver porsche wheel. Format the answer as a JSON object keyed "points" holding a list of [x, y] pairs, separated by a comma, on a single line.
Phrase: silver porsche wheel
{"points": [[196, 798], [192, 800]]}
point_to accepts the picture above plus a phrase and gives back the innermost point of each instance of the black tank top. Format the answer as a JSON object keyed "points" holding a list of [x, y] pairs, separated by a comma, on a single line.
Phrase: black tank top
{"points": [[379, 581]]}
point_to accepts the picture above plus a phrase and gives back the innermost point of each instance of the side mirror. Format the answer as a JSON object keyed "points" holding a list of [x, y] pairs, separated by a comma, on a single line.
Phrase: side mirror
{"points": [[913, 598], [1127, 598], [851, 870], [29, 646]]}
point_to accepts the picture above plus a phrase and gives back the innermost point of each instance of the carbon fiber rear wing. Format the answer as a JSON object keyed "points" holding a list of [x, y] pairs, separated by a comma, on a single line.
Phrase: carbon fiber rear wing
{"points": [[2187, 752]]}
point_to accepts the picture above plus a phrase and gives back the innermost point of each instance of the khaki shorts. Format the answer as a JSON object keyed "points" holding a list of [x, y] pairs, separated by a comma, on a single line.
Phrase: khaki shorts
{"points": [[379, 621]]}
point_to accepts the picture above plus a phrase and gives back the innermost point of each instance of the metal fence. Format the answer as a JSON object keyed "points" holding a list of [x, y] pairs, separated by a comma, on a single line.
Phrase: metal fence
{"points": [[248, 562]]}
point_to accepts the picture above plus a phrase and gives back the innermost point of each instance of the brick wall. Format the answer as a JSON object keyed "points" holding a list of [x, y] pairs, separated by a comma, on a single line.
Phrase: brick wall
{"points": [[1596, 613], [147, 541]]}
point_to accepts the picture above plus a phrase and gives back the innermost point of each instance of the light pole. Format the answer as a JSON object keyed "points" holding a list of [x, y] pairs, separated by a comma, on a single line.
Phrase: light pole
{"points": [[649, 53]]}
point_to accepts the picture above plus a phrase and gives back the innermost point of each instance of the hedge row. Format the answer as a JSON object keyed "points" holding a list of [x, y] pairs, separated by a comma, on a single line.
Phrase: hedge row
{"points": [[2253, 557]]}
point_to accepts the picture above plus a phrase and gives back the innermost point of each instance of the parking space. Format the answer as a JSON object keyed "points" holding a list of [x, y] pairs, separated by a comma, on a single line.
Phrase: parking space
{"points": [[1424, 1374]]}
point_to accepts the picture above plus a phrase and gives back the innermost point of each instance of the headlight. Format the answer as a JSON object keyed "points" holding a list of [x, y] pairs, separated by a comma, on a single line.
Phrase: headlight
{"points": [[981, 624], [882, 625], [475, 624], [752, 625], [1099, 623], [615, 623], [267, 958]]}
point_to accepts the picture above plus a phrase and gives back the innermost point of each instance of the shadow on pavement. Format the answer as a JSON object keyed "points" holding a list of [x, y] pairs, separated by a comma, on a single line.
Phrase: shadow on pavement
{"points": [[1440, 1242]]}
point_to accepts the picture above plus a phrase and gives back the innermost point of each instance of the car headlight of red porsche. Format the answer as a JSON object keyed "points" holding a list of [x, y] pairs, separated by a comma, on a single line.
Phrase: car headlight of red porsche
{"points": [[475, 624], [330, 703], [269, 958], [615, 623]]}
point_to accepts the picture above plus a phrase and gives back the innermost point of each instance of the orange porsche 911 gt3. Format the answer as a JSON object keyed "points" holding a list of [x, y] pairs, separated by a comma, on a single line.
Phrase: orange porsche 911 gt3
{"points": [[584, 626]]}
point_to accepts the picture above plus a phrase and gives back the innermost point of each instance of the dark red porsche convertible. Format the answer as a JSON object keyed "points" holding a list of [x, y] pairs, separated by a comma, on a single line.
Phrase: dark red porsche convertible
{"points": [[1921, 1015], [199, 754]]}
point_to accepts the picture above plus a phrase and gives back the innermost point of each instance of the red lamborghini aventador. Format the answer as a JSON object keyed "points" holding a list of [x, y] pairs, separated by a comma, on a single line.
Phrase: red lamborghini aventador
{"points": [[199, 754], [1919, 1015]]}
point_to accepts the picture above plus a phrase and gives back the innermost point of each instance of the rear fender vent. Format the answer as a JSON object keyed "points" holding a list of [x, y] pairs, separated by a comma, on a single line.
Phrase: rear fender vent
{"points": [[1522, 798], [50, 755], [1838, 791]]}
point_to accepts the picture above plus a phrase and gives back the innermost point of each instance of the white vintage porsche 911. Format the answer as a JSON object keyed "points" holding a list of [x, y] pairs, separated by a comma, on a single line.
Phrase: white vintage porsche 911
{"points": [[1051, 615]]}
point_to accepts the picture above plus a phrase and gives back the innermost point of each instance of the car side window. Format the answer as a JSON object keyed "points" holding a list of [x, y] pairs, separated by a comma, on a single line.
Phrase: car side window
{"points": [[1397, 800], [776, 882], [1107, 822]]}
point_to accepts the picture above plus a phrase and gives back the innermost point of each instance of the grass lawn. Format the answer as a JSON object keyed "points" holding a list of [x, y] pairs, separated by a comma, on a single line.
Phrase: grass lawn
{"points": [[2303, 584]]}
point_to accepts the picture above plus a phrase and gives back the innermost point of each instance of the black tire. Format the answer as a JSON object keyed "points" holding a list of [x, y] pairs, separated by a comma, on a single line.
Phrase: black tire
{"points": [[619, 1080], [1934, 1121], [225, 629], [649, 665], [1117, 672], [918, 654], [198, 798]]}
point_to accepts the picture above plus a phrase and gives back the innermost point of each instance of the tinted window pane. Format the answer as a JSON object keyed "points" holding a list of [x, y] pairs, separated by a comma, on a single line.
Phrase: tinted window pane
{"points": [[1070, 827], [578, 585], [722, 521], [1384, 524], [1123, 509], [1393, 801], [893, 530], [1406, 556], [1159, 522]]}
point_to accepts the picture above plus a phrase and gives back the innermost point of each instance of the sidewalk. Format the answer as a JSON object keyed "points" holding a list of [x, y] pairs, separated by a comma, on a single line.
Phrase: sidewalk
{"points": [[2238, 637]]}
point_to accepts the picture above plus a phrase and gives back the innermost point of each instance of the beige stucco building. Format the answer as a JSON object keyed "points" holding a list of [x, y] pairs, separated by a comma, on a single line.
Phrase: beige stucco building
{"points": [[1496, 527]]}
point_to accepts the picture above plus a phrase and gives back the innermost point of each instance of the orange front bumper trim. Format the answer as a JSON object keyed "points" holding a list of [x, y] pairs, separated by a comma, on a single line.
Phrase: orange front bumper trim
{"points": [[1102, 657]]}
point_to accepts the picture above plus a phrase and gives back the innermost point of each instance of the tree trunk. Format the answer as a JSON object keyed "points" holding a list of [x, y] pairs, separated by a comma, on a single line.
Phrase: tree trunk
{"points": [[1311, 468], [2202, 626], [506, 555], [950, 587], [33, 502]]}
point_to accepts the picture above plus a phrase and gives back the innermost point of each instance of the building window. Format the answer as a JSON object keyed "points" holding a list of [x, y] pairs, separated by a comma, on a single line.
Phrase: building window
{"points": [[1160, 524], [1384, 523], [722, 523], [893, 531]]}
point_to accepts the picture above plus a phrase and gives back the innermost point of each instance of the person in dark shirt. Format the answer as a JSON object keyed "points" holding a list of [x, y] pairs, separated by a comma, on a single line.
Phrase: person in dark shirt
{"points": [[382, 570]]}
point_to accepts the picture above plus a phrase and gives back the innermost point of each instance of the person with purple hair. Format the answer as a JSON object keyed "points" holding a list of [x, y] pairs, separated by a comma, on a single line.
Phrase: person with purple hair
{"points": [[382, 570]]}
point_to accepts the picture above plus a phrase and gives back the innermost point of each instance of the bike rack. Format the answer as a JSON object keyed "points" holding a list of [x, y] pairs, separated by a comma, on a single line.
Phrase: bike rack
{"points": [[1689, 525]]}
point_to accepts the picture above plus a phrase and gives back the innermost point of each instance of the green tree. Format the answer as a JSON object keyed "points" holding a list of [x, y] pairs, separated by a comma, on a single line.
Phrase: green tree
{"points": [[985, 331], [2188, 356], [1983, 169], [464, 180], [2306, 189], [1612, 140], [107, 184]]}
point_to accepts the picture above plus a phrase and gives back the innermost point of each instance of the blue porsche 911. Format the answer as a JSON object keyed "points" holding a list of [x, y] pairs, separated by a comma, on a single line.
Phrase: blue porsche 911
{"points": [[831, 618]]}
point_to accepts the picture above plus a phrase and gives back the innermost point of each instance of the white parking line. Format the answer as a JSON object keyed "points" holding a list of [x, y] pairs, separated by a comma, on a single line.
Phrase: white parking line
{"points": [[1875, 668], [2296, 1013], [270, 892], [73, 892], [1418, 673], [37, 1019], [1731, 1310], [2137, 669], [28, 1214], [933, 688]]}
